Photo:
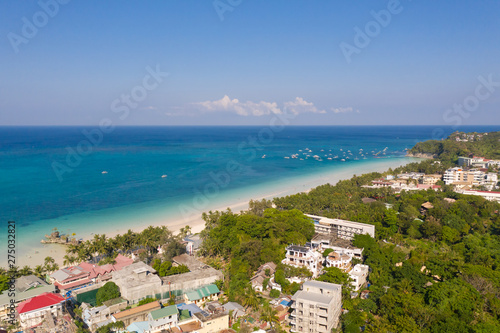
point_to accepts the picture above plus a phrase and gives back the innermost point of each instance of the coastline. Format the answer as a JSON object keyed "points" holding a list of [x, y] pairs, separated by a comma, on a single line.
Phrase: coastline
{"points": [[177, 215]]}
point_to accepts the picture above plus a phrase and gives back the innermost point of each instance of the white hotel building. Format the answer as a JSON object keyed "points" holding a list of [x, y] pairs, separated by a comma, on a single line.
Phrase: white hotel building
{"points": [[341, 228]]}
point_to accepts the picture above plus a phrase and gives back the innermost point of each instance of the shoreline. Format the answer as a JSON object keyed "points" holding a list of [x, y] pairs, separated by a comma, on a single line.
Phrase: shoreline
{"points": [[140, 216]]}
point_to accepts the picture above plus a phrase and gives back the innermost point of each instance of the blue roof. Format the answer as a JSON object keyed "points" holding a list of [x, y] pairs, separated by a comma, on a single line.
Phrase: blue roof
{"points": [[192, 308], [138, 327], [286, 303]]}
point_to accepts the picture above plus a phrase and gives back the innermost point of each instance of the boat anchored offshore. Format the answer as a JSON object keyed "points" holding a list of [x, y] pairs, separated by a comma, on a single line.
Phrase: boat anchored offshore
{"points": [[104, 172], [163, 176]]}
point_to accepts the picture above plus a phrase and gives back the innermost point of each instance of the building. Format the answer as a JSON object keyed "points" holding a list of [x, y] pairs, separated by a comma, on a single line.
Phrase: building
{"points": [[341, 228], [431, 179], [316, 307], [139, 313], [457, 174], [212, 322], [339, 260], [411, 175], [163, 319], [259, 276], [301, 256], [98, 316], [86, 274], [359, 275], [193, 243], [203, 294], [34, 311], [238, 310], [325, 241], [137, 281], [26, 287], [491, 196]]}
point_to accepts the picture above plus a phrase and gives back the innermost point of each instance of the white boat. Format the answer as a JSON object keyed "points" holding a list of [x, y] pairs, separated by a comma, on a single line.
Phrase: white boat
{"points": [[342, 160], [104, 172], [264, 156], [163, 176], [287, 157]]}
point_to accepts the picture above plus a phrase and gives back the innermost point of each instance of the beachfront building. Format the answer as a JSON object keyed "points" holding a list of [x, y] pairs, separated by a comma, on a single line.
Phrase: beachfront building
{"points": [[341, 228], [26, 287], [301, 256], [316, 307], [85, 274], [34, 311], [163, 319], [410, 175], [359, 275], [328, 241], [339, 260]]}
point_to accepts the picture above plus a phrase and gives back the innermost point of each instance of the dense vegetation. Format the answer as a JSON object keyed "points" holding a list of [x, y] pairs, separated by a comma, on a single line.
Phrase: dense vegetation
{"points": [[449, 149], [109, 291], [248, 240], [165, 268], [449, 279]]}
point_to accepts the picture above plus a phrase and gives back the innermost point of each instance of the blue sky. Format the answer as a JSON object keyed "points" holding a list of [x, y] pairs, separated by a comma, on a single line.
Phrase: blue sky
{"points": [[242, 62]]}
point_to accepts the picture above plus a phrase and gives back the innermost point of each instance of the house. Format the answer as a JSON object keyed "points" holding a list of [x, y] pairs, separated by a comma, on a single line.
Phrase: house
{"points": [[138, 327], [328, 241], [202, 294], [213, 322], [163, 319], [301, 256], [425, 207], [259, 276], [34, 311], [431, 179], [85, 274], [98, 316], [339, 260], [139, 313], [238, 310], [137, 281], [26, 287], [193, 243], [341, 228], [316, 307], [359, 275]]}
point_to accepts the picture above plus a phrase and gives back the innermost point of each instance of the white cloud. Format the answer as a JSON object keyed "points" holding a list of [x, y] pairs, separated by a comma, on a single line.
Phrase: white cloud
{"points": [[344, 110], [242, 108], [299, 105]]}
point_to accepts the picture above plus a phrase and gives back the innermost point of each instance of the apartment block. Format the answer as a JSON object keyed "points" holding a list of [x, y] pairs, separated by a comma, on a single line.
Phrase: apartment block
{"points": [[316, 307]]}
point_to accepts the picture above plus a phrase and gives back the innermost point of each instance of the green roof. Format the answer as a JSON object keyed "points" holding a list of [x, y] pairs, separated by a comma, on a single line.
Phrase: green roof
{"points": [[184, 314], [166, 311], [202, 292]]}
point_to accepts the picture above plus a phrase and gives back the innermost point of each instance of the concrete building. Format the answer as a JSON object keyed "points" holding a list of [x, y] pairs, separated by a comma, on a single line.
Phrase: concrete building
{"points": [[316, 307], [301, 256], [341, 228], [26, 287], [139, 313], [163, 319], [98, 316], [359, 275], [326, 241], [137, 281], [202, 294], [431, 179], [491, 196], [34, 311], [339, 260], [259, 276], [457, 174]]}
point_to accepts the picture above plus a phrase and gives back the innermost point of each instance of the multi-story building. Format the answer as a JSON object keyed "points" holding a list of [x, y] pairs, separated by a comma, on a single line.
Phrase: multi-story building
{"points": [[491, 196], [458, 175], [34, 311], [431, 179], [326, 241], [341, 228], [359, 274], [301, 256], [339, 260], [316, 307]]}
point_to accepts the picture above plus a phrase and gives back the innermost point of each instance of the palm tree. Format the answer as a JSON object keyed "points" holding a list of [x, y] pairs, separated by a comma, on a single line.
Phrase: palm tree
{"points": [[26, 270], [252, 300], [39, 271], [68, 260], [269, 314], [49, 260]]}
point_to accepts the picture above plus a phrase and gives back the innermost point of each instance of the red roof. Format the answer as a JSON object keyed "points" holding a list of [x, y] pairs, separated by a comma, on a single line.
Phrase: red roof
{"points": [[40, 301]]}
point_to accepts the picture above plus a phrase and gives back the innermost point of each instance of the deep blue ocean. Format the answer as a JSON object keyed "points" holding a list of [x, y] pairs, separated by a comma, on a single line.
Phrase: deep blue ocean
{"points": [[53, 172]]}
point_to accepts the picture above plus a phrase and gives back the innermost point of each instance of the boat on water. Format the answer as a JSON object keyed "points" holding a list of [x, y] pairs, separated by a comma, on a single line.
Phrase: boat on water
{"points": [[264, 156], [104, 172], [287, 157], [163, 176]]}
